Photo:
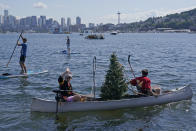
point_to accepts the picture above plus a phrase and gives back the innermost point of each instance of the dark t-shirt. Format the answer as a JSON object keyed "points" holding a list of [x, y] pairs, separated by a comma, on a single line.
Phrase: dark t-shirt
{"points": [[68, 89], [68, 43], [23, 49]]}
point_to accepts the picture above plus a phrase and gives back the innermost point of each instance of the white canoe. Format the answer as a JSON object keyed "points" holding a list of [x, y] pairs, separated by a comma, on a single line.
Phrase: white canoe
{"points": [[42, 105]]}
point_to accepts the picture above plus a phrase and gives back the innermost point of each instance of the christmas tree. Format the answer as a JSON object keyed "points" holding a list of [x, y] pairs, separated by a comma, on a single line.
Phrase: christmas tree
{"points": [[114, 86]]}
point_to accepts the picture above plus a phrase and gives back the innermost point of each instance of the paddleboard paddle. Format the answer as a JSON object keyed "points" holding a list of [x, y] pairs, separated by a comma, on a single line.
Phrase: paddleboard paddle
{"points": [[14, 48]]}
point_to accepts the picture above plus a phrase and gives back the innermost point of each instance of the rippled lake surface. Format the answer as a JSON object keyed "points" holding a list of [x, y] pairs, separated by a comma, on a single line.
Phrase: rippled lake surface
{"points": [[170, 58]]}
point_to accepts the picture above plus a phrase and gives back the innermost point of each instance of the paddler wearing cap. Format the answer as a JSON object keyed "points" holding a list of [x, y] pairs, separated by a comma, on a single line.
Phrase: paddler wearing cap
{"points": [[143, 84], [65, 84]]}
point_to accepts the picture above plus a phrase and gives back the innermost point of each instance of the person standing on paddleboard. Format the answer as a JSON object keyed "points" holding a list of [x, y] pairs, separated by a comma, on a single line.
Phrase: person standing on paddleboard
{"points": [[23, 54], [68, 45]]}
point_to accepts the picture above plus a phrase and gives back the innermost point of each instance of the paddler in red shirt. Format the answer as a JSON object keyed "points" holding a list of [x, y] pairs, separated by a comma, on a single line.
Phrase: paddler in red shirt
{"points": [[143, 84]]}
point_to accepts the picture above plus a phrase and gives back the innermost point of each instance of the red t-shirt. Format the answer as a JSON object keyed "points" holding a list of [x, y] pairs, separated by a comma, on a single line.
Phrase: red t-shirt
{"points": [[143, 82]]}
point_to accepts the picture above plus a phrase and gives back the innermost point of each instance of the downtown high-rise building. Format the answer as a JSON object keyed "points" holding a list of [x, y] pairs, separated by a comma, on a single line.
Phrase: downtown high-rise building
{"points": [[62, 22], [49, 22], [78, 20], [5, 17], [68, 21], [91, 25], [39, 22], [22, 22], [43, 20], [68, 24], [11, 20], [5, 12], [28, 21], [34, 21], [1, 19]]}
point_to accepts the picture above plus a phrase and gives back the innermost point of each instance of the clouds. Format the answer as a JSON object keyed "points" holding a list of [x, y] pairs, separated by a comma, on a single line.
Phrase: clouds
{"points": [[3, 6], [40, 5]]}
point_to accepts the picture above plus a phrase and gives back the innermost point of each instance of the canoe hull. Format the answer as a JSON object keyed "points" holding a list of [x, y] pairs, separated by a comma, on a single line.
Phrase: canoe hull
{"points": [[42, 105]]}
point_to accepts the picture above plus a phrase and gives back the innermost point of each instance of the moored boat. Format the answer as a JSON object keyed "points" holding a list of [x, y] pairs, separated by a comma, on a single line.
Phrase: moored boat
{"points": [[114, 33], [95, 36], [178, 94]]}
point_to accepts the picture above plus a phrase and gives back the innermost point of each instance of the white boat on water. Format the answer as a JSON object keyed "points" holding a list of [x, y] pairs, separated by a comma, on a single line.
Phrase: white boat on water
{"points": [[114, 33], [179, 94]]}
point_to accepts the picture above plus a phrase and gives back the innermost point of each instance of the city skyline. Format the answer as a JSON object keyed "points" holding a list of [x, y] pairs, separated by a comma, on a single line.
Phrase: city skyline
{"points": [[96, 11], [77, 21], [62, 22], [8, 22]]}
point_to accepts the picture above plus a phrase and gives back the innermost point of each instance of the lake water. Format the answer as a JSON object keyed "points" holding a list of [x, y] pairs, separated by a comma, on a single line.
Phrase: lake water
{"points": [[170, 59]]}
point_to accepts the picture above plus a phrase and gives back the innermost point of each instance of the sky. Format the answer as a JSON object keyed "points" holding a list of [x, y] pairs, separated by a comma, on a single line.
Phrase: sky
{"points": [[96, 11]]}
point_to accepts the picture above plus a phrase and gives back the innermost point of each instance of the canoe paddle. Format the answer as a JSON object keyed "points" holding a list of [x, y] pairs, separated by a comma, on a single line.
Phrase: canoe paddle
{"points": [[57, 102], [138, 93], [94, 69], [131, 66], [14, 48]]}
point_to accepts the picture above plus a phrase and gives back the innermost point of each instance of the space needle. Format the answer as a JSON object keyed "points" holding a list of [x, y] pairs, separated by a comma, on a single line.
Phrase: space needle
{"points": [[118, 13]]}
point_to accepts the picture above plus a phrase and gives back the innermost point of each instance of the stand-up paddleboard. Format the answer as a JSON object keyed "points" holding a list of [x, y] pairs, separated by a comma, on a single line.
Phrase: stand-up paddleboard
{"points": [[65, 52], [29, 73]]}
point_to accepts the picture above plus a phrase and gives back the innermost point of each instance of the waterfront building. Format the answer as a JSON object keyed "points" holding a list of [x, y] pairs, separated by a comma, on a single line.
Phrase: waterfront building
{"points": [[56, 23], [1, 19], [5, 18], [43, 20], [91, 25], [28, 22], [62, 22], [68, 21], [5, 12], [39, 22], [11, 20], [78, 20], [34, 21], [49, 22], [68, 24], [22, 22]]}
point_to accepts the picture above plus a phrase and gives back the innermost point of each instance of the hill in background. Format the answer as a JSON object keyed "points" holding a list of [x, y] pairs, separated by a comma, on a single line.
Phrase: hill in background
{"points": [[177, 21]]}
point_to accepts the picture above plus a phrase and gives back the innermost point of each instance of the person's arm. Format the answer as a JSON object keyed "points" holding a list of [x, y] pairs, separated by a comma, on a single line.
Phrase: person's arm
{"points": [[133, 82], [19, 44]]}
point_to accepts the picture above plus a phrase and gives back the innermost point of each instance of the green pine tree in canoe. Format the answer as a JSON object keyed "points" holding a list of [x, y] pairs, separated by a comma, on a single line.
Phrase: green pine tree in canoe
{"points": [[114, 86]]}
